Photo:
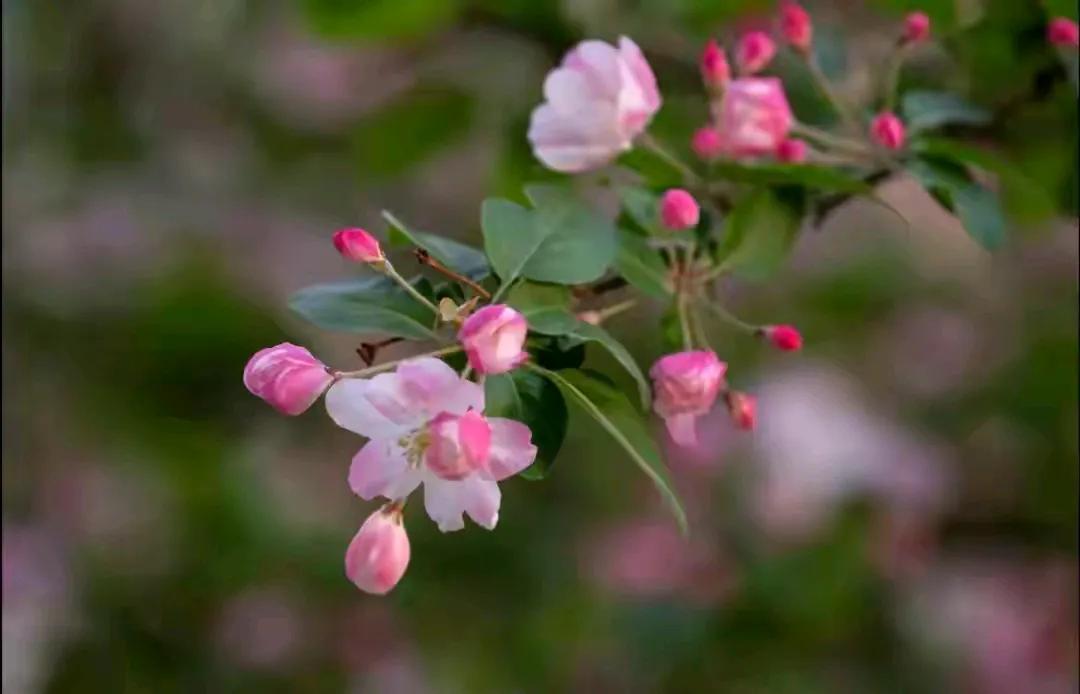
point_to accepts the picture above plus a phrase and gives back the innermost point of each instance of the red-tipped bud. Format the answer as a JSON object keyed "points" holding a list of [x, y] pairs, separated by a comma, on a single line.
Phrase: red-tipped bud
{"points": [[679, 210], [358, 245], [1062, 31], [755, 51], [707, 143], [888, 130], [715, 71], [796, 27], [783, 337], [743, 409], [916, 27], [792, 151], [379, 553]]}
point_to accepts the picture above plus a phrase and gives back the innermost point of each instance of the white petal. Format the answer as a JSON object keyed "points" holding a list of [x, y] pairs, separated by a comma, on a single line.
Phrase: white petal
{"points": [[574, 142], [511, 448], [380, 469], [374, 408], [446, 500], [431, 387], [568, 91], [482, 500], [599, 63]]}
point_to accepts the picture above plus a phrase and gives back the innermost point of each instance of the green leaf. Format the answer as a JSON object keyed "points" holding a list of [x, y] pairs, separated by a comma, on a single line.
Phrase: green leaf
{"points": [[546, 307], [759, 233], [379, 19], [594, 333], [823, 178], [562, 240], [372, 305], [641, 205], [924, 110], [977, 207], [467, 260], [614, 413], [642, 266], [536, 402]]}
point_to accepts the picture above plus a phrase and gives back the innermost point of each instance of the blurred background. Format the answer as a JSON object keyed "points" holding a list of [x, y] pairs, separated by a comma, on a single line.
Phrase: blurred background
{"points": [[904, 520]]}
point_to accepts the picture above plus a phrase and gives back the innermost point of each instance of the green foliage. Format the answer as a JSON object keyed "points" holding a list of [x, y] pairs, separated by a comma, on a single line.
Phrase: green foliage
{"points": [[379, 19], [976, 206], [642, 266], [536, 402], [924, 110], [823, 178], [759, 233], [467, 260], [372, 305]]}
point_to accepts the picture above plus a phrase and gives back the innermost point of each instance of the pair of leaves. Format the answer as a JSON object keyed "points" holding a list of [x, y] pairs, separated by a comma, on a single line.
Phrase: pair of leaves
{"points": [[975, 205]]}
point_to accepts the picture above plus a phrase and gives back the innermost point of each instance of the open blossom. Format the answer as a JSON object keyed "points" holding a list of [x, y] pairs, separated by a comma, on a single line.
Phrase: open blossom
{"points": [[686, 385], [754, 52], [679, 210], [916, 27], [715, 71], [792, 151], [379, 552], [754, 116], [286, 376], [795, 25], [493, 338], [596, 103], [425, 426], [888, 130], [707, 143], [1062, 31], [358, 245]]}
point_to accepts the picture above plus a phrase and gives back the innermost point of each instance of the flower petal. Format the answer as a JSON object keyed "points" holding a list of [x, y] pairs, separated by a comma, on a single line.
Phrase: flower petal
{"points": [[446, 500], [376, 407], [574, 142], [683, 429], [431, 387], [511, 449], [381, 469]]}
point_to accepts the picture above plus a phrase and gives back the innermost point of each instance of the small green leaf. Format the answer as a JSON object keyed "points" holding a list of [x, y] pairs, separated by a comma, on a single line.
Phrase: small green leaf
{"points": [[927, 110], [546, 307], [641, 205], [467, 260], [536, 402], [372, 305], [824, 178], [642, 266], [977, 207], [759, 233], [614, 413]]}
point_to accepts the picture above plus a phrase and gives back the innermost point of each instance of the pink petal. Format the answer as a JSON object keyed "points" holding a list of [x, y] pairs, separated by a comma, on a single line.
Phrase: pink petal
{"points": [[376, 407], [431, 387], [511, 448], [643, 74], [474, 433], [380, 469], [568, 91], [576, 142], [599, 64], [446, 500], [683, 429]]}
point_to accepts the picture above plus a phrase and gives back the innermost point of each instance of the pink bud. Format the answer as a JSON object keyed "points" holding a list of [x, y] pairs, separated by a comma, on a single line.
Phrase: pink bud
{"points": [[686, 386], [754, 116], [755, 51], [888, 130], [493, 338], [1062, 31], [795, 26], [358, 245], [783, 337], [286, 376], [916, 27], [715, 71], [707, 143], [457, 446], [792, 151], [743, 410], [379, 552], [679, 210]]}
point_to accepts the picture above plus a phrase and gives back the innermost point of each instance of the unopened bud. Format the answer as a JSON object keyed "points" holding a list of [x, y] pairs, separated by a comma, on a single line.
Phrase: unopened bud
{"points": [[358, 245], [679, 210], [796, 27], [888, 130], [754, 53], [916, 27], [715, 71], [743, 409], [379, 552], [783, 337]]}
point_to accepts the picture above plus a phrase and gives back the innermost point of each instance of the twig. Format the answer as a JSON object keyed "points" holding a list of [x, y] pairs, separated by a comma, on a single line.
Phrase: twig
{"points": [[409, 289], [368, 350], [689, 175], [372, 370], [424, 258]]}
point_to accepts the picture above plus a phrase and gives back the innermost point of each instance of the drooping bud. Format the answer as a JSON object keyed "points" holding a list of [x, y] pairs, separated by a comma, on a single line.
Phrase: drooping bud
{"points": [[686, 385], [783, 337], [715, 71], [743, 409], [792, 151], [493, 338], [1062, 31], [916, 27], [707, 143], [457, 446], [754, 52], [796, 27], [679, 210], [358, 245], [286, 376], [888, 130], [379, 552]]}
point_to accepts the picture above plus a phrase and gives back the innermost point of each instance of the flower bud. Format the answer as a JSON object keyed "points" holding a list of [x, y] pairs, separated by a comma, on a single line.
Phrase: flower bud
{"points": [[888, 130], [783, 337], [358, 245], [754, 116], [715, 71], [286, 376], [493, 338], [679, 210], [743, 410], [792, 151], [686, 385], [707, 143], [1062, 31], [379, 552], [457, 446], [916, 27], [795, 26], [754, 52]]}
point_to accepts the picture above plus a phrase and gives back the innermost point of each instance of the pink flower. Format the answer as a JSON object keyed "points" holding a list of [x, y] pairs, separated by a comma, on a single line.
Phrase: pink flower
{"points": [[795, 26], [888, 130], [596, 103], [679, 210], [754, 52], [1062, 31], [783, 337], [707, 143], [754, 116], [916, 27], [493, 338], [792, 151], [358, 245], [743, 410], [379, 552], [686, 385], [410, 416], [286, 376], [715, 71]]}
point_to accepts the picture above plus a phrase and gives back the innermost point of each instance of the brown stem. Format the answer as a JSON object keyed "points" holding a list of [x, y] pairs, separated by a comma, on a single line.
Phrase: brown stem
{"points": [[424, 258], [368, 350]]}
